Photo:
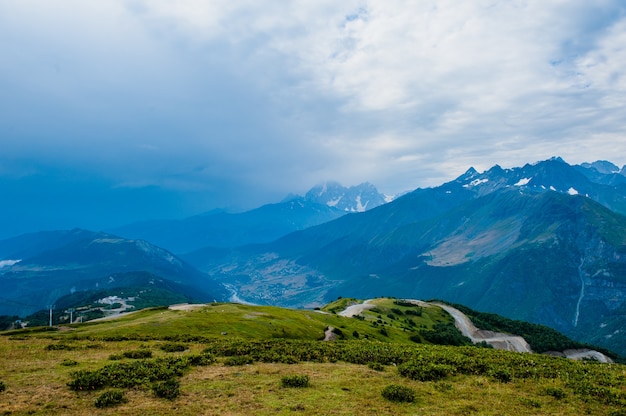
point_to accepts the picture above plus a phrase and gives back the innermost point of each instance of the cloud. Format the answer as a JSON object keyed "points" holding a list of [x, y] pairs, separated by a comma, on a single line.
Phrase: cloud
{"points": [[245, 101]]}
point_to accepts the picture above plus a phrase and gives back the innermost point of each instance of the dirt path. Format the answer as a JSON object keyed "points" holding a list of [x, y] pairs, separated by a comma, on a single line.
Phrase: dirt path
{"points": [[329, 335], [498, 340], [587, 354], [354, 310], [186, 306]]}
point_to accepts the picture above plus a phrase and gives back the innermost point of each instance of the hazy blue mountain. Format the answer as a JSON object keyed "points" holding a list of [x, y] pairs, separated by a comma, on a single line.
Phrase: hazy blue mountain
{"points": [[221, 229], [536, 243], [261, 225], [27, 245], [602, 166], [81, 260]]}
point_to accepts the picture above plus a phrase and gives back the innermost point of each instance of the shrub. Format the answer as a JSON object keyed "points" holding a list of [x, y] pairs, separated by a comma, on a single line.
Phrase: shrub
{"points": [[397, 393], [86, 380], [355, 334], [138, 354], [417, 312], [238, 360], [425, 371], [128, 374], [173, 347], [201, 359], [69, 363], [376, 366], [168, 389], [445, 334], [110, 398], [295, 381], [556, 393], [338, 332], [503, 375], [3, 386]]}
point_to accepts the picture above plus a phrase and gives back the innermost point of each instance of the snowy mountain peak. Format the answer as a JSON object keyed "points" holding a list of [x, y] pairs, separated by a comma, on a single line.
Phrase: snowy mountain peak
{"points": [[357, 198]]}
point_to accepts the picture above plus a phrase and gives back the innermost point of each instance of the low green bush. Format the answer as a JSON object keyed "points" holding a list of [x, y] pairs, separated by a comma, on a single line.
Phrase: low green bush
{"points": [[86, 380], [295, 381], [556, 392], [3, 386], [173, 347], [69, 363], [110, 398], [138, 354], [168, 389], [397, 393], [502, 375], [425, 371], [129, 374], [376, 366], [201, 359]]}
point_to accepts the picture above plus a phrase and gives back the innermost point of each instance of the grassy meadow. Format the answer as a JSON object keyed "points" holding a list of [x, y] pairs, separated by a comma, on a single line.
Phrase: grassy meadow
{"points": [[230, 359]]}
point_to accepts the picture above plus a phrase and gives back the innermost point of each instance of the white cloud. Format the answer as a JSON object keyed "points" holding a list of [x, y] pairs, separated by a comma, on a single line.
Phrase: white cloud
{"points": [[281, 95]]}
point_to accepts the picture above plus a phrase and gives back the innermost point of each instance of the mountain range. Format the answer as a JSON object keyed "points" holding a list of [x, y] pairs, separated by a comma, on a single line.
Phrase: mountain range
{"points": [[545, 243], [40, 268], [321, 204]]}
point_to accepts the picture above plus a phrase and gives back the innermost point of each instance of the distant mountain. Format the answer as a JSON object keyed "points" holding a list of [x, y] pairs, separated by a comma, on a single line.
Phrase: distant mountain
{"points": [[261, 225], [59, 263], [358, 198], [545, 243], [603, 167]]}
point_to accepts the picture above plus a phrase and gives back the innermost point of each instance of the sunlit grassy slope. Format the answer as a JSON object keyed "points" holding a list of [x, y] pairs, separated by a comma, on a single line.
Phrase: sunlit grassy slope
{"points": [[36, 367]]}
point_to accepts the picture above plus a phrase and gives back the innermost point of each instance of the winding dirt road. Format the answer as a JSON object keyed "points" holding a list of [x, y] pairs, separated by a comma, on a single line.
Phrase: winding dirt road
{"points": [[354, 310], [498, 340]]}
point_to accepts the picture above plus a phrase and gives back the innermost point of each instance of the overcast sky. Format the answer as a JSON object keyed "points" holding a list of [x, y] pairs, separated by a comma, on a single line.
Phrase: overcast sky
{"points": [[184, 106]]}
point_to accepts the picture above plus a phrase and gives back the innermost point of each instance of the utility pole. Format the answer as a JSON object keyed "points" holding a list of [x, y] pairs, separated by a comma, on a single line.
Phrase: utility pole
{"points": [[71, 311], [51, 307]]}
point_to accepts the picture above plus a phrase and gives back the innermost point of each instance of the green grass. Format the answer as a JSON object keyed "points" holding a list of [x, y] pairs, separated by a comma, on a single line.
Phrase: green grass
{"points": [[340, 376], [226, 320]]}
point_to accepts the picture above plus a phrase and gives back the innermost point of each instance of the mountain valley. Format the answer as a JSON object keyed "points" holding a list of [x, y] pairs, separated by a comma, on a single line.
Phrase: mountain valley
{"points": [[543, 243]]}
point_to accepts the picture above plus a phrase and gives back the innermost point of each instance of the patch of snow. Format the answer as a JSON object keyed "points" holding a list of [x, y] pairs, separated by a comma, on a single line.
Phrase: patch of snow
{"points": [[523, 181], [572, 191], [359, 206], [389, 198], [334, 202], [476, 182], [5, 263], [448, 192], [552, 188]]}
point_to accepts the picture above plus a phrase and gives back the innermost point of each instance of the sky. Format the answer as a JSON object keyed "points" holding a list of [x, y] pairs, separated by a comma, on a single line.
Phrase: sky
{"points": [[113, 111]]}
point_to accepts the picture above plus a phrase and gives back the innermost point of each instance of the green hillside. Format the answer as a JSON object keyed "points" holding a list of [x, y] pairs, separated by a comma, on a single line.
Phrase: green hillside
{"points": [[232, 359]]}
